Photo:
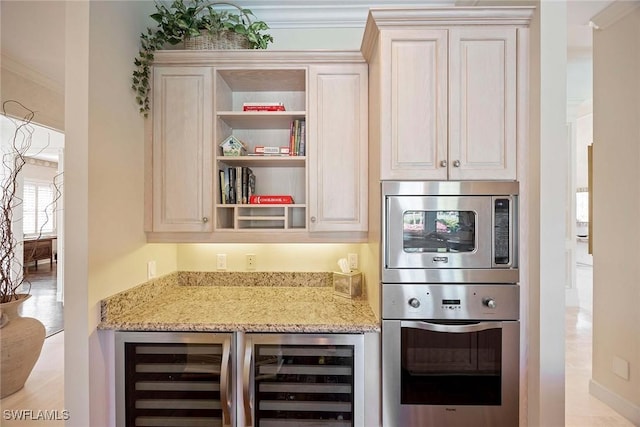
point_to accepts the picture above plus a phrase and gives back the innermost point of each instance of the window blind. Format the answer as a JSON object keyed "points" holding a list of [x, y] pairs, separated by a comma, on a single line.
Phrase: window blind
{"points": [[37, 214]]}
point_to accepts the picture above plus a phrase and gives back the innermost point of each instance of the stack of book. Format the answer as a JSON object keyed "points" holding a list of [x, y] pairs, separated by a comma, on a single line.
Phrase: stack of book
{"points": [[263, 106], [237, 185], [297, 138]]}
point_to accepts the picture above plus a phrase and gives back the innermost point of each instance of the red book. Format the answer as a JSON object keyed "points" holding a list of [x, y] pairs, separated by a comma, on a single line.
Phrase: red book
{"points": [[263, 108], [270, 200]]}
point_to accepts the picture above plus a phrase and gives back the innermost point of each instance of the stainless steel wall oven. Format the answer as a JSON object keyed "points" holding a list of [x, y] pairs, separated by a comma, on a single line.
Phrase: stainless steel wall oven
{"points": [[450, 355]]}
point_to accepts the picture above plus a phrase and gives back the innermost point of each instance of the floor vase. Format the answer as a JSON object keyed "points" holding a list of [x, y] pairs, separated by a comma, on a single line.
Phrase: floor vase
{"points": [[21, 340]]}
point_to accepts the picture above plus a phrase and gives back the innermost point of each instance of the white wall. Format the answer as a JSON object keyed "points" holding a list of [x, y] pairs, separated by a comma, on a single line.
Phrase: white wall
{"points": [[547, 194], [616, 230], [106, 246]]}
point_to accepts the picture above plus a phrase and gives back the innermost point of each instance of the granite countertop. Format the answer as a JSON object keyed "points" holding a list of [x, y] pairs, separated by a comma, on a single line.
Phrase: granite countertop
{"points": [[228, 301]]}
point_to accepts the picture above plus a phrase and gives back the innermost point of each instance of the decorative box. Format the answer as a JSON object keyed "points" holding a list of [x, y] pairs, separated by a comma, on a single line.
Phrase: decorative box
{"points": [[348, 284]]}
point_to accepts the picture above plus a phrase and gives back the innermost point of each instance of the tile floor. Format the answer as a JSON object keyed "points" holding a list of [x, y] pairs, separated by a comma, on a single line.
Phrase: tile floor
{"points": [[45, 387]]}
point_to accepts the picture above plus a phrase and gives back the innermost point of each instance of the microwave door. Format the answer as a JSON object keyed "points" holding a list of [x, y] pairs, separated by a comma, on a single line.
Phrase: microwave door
{"points": [[440, 232]]}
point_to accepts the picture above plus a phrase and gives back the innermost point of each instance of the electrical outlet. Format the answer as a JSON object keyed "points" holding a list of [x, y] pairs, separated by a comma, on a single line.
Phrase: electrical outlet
{"points": [[251, 261], [620, 367], [352, 259], [221, 262], [151, 270]]}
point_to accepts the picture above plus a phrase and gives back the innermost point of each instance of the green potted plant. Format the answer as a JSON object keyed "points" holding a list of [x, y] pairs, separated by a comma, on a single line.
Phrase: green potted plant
{"points": [[198, 25]]}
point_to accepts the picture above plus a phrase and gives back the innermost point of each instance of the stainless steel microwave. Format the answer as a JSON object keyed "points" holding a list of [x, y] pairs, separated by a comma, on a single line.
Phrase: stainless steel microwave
{"points": [[450, 231]]}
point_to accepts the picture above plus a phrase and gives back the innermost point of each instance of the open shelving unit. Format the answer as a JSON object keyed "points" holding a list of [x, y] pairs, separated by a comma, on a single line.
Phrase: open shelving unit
{"points": [[274, 175]]}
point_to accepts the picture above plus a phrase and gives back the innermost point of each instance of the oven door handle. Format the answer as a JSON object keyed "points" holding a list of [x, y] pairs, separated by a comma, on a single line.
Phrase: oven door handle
{"points": [[456, 329]]}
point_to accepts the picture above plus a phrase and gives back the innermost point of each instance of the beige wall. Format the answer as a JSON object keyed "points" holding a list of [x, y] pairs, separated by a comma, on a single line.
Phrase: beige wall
{"points": [[616, 197], [40, 96], [107, 250], [20, 23], [269, 257]]}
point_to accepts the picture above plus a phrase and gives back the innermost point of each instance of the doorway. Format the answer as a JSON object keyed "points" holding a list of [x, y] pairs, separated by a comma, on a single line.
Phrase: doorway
{"points": [[39, 220]]}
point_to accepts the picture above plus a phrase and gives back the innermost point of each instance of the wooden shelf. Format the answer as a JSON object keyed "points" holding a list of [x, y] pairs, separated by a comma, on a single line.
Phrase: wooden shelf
{"points": [[262, 205], [260, 119], [264, 161]]}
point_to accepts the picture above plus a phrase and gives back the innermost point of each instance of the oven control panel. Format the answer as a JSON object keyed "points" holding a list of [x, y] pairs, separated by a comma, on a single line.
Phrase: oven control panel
{"points": [[450, 301]]}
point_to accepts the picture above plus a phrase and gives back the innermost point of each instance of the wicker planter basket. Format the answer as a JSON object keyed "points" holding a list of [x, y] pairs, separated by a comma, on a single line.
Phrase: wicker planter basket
{"points": [[222, 40]]}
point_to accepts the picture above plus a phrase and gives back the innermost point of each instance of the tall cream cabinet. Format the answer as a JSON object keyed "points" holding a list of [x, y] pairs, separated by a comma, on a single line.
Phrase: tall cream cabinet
{"points": [[446, 87], [182, 150], [338, 148], [198, 104]]}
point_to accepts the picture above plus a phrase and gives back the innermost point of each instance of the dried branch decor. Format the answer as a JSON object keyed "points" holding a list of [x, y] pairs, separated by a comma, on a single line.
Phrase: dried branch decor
{"points": [[13, 160]]}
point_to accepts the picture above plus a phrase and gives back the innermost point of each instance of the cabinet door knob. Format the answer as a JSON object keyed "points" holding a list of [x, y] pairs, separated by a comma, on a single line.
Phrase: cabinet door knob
{"points": [[313, 219], [456, 163], [443, 163], [205, 219]]}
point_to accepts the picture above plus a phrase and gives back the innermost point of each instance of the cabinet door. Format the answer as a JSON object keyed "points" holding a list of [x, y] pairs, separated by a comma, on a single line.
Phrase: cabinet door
{"points": [[182, 153], [414, 104], [337, 149], [482, 102]]}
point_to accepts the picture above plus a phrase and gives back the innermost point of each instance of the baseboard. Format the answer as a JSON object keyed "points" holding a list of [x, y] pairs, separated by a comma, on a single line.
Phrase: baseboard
{"points": [[619, 404], [571, 298]]}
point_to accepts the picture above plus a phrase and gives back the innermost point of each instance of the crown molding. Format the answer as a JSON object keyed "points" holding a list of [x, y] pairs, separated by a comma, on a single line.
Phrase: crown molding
{"points": [[613, 13], [389, 18], [9, 63], [489, 15], [34, 161], [324, 13], [255, 57]]}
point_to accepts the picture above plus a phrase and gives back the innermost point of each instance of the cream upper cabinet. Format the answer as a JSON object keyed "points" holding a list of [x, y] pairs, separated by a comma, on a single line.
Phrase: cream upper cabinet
{"points": [[337, 125], [414, 104], [181, 149], [445, 100], [482, 103], [301, 118]]}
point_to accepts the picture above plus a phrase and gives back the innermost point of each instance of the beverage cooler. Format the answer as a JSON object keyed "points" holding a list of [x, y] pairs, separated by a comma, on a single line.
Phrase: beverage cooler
{"points": [[302, 380], [174, 379], [237, 379]]}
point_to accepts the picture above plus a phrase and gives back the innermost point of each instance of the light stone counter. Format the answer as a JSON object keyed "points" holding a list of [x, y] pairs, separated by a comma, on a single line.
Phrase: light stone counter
{"points": [[228, 301]]}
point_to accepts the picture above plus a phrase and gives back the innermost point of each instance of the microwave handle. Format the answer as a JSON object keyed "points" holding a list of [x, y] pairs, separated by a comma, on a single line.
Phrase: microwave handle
{"points": [[455, 329]]}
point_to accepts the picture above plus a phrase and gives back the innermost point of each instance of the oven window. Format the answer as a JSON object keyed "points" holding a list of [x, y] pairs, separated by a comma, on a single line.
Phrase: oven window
{"points": [[439, 231], [451, 368]]}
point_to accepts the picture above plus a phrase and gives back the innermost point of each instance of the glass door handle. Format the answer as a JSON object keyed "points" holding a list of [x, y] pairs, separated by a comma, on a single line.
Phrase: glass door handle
{"points": [[225, 394], [246, 382]]}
